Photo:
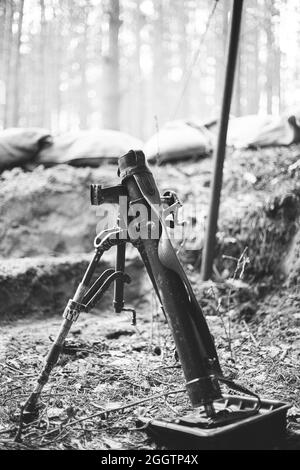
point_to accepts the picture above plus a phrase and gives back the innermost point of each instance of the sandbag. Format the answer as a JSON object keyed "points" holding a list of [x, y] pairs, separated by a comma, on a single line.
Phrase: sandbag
{"points": [[19, 146], [263, 131], [88, 148], [179, 140]]}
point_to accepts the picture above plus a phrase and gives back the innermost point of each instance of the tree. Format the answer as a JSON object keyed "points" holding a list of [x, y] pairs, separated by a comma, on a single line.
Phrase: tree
{"points": [[273, 57], [111, 69], [83, 61], [159, 61], [14, 65], [70, 64], [42, 76], [251, 64], [138, 74], [7, 49], [183, 50], [2, 58]]}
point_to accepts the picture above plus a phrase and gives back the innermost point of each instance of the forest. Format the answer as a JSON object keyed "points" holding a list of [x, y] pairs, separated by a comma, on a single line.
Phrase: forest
{"points": [[132, 65], [106, 100]]}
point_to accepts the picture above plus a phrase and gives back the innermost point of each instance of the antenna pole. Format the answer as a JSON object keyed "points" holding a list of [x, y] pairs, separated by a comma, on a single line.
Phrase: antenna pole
{"points": [[219, 156]]}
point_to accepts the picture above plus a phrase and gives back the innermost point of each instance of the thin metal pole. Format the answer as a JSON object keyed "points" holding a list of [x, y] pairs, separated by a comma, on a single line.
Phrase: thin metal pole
{"points": [[209, 247]]}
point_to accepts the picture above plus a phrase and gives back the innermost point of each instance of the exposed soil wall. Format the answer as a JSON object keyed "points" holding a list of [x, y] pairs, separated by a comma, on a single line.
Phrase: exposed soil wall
{"points": [[46, 216], [43, 286], [48, 211]]}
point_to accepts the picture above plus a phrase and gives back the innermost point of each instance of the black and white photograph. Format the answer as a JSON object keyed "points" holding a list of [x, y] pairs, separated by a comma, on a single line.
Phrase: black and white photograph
{"points": [[149, 228]]}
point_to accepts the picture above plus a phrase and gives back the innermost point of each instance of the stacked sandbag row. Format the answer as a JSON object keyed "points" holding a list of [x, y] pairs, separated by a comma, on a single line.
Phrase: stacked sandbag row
{"points": [[176, 140], [33, 146]]}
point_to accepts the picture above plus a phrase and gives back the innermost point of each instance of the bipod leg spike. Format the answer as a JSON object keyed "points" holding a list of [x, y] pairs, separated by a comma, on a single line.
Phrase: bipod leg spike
{"points": [[30, 410], [103, 242]]}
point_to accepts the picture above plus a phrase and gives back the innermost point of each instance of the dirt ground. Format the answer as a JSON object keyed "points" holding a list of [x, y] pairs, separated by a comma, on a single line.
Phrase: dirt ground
{"points": [[112, 372], [108, 364]]}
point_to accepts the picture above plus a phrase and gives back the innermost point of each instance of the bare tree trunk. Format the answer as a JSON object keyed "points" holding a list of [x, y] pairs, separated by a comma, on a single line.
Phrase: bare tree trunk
{"points": [[111, 72], [139, 91], [7, 61], [83, 99], [184, 52], [252, 63], [16, 69], [55, 71], [159, 68], [278, 77], [41, 104], [270, 54], [83, 102], [2, 59], [2, 37], [269, 70], [237, 109], [256, 71], [277, 66]]}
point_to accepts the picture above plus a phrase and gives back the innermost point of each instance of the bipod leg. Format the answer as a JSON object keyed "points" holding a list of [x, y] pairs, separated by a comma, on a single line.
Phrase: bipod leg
{"points": [[118, 301], [29, 410]]}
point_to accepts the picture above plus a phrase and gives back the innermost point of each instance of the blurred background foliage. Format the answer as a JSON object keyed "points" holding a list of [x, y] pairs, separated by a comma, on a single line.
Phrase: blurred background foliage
{"points": [[135, 64]]}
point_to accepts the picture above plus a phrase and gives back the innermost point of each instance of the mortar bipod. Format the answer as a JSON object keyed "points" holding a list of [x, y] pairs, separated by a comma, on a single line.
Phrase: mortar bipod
{"points": [[87, 296]]}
